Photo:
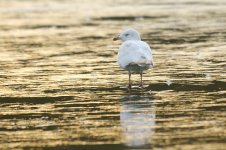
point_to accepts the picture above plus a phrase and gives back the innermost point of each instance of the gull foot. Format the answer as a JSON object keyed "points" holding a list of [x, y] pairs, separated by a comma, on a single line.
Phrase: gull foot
{"points": [[129, 86], [141, 86]]}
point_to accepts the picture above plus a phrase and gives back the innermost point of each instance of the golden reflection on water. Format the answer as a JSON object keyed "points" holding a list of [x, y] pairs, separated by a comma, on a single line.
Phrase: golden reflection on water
{"points": [[61, 87]]}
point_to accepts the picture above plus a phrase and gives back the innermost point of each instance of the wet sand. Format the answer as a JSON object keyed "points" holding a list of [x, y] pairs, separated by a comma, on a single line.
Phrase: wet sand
{"points": [[61, 86]]}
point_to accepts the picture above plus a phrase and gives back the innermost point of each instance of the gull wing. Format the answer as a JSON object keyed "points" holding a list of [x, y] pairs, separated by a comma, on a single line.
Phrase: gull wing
{"points": [[134, 52]]}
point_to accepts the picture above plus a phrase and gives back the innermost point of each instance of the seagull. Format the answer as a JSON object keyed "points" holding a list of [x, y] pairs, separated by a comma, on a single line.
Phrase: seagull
{"points": [[134, 55]]}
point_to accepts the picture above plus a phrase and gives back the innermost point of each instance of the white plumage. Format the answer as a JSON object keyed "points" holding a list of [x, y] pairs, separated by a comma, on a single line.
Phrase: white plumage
{"points": [[134, 55], [134, 52]]}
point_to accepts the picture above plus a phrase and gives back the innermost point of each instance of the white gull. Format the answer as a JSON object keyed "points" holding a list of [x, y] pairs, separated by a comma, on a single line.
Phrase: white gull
{"points": [[134, 55]]}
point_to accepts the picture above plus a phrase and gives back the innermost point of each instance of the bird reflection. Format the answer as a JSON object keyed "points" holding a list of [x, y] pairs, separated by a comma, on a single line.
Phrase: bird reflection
{"points": [[137, 117]]}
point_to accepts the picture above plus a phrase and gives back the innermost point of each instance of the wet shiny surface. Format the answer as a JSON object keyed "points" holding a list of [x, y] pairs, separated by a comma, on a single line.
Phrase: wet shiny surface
{"points": [[61, 87]]}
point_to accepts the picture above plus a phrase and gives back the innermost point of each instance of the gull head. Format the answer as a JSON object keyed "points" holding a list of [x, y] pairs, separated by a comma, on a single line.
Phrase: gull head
{"points": [[129, 34]]}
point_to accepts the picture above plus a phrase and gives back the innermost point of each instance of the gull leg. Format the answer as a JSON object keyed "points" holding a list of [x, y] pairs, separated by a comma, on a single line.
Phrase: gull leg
{"points": [[129, 80], [141, 81]]}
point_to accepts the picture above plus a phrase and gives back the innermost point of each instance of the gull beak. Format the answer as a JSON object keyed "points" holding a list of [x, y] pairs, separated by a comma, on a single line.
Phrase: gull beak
{"points": [[116, 38]]}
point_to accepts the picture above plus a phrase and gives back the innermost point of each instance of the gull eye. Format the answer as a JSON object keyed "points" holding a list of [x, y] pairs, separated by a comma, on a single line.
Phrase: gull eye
{"points": [[127, 34]]}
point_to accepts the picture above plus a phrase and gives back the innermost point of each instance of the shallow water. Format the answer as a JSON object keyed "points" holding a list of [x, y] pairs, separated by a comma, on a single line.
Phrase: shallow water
{"points": [[61, 87]]}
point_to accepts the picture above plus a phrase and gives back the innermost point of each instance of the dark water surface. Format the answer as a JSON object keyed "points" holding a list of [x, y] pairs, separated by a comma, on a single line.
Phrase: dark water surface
{"points": [[61, 87]]}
